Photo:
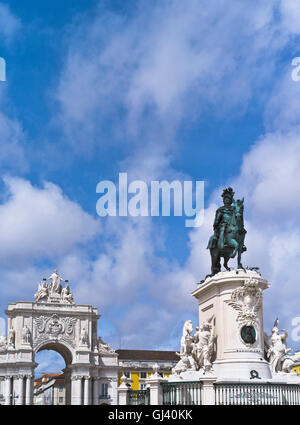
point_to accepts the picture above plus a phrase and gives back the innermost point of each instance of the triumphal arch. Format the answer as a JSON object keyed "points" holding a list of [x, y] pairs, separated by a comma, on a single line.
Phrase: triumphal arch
{"points": [[54, 322]]}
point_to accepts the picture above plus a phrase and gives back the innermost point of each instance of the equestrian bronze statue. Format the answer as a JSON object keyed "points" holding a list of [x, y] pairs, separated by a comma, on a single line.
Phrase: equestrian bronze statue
{"points": [[229, 233]]}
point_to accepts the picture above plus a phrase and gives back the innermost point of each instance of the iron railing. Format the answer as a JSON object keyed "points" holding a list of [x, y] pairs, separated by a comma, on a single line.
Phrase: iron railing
{"points": [[182, 393], [256, 394], [139, 397]]}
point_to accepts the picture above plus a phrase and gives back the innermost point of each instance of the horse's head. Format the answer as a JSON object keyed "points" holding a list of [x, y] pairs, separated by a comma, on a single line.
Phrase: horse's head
{"points": [[188, 327], [239, 207]]}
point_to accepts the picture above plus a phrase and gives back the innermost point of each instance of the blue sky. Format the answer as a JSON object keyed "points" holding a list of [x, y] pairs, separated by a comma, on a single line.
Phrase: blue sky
{"points": [[193, 90]]}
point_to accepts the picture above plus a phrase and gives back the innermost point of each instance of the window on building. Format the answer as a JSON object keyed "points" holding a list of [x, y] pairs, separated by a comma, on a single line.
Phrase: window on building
{"points": [[127, 374], [161, 374], [104, 389], [60, 399], [143, 386], [61, 389], [143, 375]]}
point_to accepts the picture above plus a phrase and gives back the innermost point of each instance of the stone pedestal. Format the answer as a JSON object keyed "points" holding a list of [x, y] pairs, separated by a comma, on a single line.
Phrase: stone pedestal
{"points": [[234, 299], [154, 383]]}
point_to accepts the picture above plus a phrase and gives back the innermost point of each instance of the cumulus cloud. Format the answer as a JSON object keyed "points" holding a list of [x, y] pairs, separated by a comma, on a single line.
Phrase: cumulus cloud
{"points": [[164, 62], [270, 175], [37, 223], [121, 269]]}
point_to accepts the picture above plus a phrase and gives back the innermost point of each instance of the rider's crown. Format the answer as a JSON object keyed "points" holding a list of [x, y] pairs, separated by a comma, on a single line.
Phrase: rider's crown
{"points": [[228, 192]]}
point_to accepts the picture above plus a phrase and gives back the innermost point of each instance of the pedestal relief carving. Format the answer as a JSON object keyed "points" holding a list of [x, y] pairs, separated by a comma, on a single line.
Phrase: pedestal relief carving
{"points": [[247, 300]]}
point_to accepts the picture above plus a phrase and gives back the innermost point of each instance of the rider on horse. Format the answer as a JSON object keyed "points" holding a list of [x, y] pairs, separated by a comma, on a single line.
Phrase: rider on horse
{"points": [[222, 220], [229, 232]]}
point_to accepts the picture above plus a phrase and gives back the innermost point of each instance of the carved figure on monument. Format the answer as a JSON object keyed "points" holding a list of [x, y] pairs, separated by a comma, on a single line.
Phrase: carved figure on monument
{"points": [[104, 347], [183, 365], [55, 326], [26, 335], [277, 349], [229, 233], [11, 337], [186, 343], [3, 343], [66, 295], [289, 362], [84, 337], [43, 292], [247, 300], [203, 348], [187, 361], [55, 286]]}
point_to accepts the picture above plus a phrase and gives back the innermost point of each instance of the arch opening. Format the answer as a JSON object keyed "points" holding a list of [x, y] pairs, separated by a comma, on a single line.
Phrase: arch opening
{"points": [[58, 348], [52, 376]]}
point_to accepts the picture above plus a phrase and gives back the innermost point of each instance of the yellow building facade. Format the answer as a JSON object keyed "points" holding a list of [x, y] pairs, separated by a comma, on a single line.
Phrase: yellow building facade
{"points": [[297, 365], [137, 365]]}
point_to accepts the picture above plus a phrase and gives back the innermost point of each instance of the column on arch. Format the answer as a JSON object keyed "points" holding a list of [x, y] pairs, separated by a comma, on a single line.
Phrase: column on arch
{"points": [[8, 389], [15, 390], [28, 390], [86, 390], [20, 390], [96, 390], [68, 388], [76, 390]]}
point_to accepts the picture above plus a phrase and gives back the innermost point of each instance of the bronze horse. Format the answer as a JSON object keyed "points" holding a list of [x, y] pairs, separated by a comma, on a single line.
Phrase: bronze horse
{"points": [[229, 241]]}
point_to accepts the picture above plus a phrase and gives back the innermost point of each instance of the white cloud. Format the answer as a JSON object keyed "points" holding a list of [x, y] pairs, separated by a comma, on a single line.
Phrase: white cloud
{"points": [[269, 177], [119, 271], [163, 63], [20, 282], [40, 223], [290, 14], [9, 23], [12, 140], [283, 106]]}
